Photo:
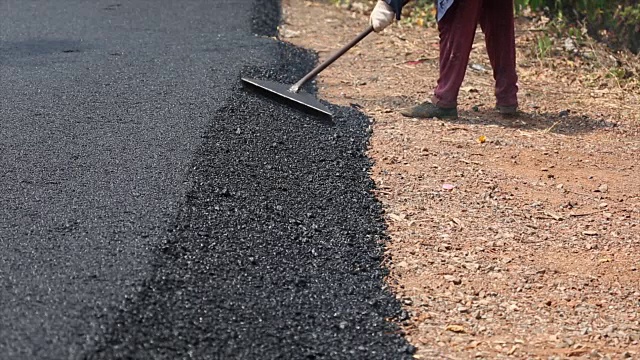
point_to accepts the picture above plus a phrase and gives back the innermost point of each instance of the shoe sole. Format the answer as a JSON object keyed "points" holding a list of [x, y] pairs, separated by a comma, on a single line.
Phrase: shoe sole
{"points": [[507, 110]]}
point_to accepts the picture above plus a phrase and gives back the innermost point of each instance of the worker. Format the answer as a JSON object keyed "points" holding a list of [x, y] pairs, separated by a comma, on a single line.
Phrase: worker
{"points": [[457, 23]]}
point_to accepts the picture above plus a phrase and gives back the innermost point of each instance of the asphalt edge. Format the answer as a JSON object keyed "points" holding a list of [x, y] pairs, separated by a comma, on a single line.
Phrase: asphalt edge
{"points": [[269, 27], [265, 23]]}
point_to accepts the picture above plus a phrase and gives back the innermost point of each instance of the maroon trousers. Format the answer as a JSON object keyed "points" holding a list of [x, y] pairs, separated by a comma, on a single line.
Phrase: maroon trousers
{"points": [[457, 31]]}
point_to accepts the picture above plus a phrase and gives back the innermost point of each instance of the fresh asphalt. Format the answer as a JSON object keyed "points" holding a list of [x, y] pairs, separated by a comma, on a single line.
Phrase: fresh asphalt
{"points": [[150, 208]]}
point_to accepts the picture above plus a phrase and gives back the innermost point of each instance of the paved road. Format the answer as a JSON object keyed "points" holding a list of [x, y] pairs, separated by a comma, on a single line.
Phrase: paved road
{"points": [[151, 209]]}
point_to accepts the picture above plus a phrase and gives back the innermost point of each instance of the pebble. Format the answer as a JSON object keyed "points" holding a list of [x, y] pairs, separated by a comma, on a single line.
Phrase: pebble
{"points": [[472, 266], [453, 279], [444, 247], [407, 301], [610, 329]]}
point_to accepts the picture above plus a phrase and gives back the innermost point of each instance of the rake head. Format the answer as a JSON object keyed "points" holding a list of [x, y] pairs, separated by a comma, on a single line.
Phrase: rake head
{"points": [[283, 93]]}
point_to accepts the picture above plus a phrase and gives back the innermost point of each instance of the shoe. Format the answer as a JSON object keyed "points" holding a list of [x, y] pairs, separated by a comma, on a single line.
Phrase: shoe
{"points": [[507, 110], [428, 110]]}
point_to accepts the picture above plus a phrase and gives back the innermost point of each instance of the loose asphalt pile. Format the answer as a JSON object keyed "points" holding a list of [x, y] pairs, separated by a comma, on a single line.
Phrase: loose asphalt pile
{"points": [[274, 251]]}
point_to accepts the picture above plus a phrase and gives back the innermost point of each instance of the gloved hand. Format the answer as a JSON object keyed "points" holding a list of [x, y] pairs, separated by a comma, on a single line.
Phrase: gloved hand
{"points": [[381, 16]]}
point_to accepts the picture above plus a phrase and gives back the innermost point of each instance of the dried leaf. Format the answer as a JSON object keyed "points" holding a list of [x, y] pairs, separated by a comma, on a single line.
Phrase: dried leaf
{"points": [[396, 217], [456, 329], [416, 62], [577, 352], [482, 139]]}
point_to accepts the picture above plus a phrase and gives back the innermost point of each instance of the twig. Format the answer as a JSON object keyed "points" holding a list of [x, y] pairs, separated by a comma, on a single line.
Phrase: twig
{"points": [[554, 216], [546, 131], [585, 214], [579, 193]]}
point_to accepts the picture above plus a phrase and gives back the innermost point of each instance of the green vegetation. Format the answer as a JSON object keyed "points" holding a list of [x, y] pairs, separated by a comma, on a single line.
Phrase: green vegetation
{"points": [[616, 23], [544, 44]]}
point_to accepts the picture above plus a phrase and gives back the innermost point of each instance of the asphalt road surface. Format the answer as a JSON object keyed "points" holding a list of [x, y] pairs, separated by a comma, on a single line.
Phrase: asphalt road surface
{"points": [[150, 208]]}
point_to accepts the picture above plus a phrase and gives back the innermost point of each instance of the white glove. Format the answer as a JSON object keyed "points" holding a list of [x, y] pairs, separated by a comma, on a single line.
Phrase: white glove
{"points": [[381, 16]]}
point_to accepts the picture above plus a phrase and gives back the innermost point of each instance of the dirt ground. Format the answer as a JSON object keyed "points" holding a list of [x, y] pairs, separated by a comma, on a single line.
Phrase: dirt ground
{"points": [[509, 237]]}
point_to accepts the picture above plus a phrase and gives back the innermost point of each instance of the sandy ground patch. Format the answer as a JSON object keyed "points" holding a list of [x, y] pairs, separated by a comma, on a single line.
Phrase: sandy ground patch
{"points": [[533, 253]]}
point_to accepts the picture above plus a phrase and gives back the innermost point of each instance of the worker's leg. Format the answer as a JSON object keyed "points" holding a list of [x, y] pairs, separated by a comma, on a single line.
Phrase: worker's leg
{"points": [[496, 20], [457, 31]]}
